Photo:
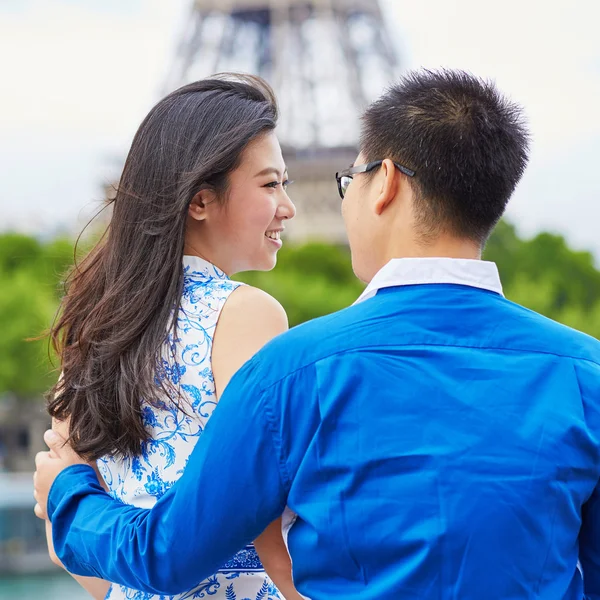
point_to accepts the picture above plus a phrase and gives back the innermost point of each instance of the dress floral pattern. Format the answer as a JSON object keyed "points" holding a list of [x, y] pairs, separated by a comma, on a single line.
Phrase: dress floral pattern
{"points": [[141, 480]]}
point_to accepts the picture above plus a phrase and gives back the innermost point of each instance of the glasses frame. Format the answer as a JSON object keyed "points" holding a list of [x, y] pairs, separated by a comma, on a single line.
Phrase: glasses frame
{"points": [[365, 169]]}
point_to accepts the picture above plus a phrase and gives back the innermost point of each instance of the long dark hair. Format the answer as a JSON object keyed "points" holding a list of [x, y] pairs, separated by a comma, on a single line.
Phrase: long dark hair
{"points": [[119, 302]]}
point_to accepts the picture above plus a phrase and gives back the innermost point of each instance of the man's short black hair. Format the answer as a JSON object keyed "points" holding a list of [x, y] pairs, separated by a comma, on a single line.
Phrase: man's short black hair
{"points": [[466, 142]]}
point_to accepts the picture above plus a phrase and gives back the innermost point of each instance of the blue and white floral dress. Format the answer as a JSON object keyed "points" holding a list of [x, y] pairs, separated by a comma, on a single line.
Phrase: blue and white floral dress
{"points": [[143, 479]]}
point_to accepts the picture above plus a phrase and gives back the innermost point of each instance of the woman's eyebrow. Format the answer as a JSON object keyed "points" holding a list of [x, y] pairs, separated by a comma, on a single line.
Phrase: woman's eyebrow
{"points": [[270, 170]]}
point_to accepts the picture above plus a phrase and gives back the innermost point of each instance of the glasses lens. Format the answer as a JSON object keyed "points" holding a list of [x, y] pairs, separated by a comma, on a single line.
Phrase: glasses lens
{"points": [[344, 183]]}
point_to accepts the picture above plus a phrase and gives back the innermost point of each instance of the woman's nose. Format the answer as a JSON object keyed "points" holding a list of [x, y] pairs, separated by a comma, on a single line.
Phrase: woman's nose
{"points": [[286, 209]]}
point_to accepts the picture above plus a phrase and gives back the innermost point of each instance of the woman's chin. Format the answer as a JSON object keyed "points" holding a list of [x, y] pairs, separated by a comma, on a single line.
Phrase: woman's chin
{"points": [[267, 263]]}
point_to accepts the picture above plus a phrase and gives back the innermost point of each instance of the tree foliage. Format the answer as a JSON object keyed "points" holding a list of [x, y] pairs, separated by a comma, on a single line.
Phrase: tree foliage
{"points": [[542, 273], [30, 275]]}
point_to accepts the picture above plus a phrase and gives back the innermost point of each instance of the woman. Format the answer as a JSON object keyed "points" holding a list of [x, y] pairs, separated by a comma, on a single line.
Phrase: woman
{"points": [[152, 328]]}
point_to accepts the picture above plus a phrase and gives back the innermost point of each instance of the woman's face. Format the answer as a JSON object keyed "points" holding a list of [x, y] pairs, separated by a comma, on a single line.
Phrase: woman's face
{"points": [[243, 233]]}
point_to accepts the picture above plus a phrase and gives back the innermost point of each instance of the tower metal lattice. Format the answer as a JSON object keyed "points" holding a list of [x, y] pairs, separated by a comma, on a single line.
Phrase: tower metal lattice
{"points": [[326, 59]]}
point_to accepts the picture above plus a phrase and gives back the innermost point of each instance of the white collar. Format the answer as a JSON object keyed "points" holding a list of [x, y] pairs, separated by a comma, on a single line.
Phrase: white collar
{"points": [[417, 271]]}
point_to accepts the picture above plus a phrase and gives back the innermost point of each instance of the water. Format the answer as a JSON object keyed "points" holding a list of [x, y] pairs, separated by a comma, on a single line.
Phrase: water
{"points": [[23, 545], [53, 586]]}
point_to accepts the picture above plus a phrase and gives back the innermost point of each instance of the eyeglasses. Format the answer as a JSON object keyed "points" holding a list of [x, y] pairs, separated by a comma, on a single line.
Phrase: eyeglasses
{"points": [[344, 178]]}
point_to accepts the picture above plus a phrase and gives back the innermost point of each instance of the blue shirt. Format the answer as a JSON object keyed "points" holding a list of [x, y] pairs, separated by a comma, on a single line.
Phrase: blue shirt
{"points": [[435, 441]]}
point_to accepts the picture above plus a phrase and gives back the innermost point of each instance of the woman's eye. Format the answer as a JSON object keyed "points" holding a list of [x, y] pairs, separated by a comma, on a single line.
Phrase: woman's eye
{"points": [[274, 184]]}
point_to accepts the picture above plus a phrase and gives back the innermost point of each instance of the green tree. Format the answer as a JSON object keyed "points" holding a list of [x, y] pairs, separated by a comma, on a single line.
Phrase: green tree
{"points": [[30, 272], [27, 307], [544, 274]]}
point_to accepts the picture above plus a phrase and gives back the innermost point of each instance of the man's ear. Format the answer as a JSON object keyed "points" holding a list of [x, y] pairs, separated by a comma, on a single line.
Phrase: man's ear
{"points": [[389, 179], [197, 209]]}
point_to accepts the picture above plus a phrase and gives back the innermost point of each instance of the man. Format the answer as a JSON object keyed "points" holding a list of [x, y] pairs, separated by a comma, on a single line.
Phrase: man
{"points": [[433, 441]]}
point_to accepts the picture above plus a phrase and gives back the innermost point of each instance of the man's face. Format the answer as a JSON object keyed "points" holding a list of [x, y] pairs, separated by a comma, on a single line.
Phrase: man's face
{"points": [[361, 225]]}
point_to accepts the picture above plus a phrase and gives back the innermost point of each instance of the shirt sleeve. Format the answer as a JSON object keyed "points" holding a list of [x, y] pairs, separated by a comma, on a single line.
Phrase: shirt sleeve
{"points": [[588, 375], [589, 546], [233, 486]]}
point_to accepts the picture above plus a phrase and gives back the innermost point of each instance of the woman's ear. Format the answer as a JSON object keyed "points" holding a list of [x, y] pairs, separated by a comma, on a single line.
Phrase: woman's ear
{"points": [[197, 209]]}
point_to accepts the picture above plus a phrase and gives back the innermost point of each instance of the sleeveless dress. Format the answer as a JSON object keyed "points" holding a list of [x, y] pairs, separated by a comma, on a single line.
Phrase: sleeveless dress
{"points": [[142, 479]]}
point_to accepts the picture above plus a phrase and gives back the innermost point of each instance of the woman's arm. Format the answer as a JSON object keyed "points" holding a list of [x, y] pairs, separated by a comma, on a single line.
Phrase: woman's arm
{"points": [[276, 560], [237, 338], [98, 588]]}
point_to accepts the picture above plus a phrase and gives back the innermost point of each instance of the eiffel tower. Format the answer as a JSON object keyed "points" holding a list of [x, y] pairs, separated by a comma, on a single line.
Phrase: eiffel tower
{"points": [[326, 60]]}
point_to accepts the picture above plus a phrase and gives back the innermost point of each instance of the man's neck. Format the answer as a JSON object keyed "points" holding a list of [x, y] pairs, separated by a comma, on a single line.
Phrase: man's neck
{"points": [[446, 247]]}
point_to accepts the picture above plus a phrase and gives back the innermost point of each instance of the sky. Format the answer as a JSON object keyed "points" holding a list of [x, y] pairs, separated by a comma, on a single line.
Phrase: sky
{"points": [[78, 76]]}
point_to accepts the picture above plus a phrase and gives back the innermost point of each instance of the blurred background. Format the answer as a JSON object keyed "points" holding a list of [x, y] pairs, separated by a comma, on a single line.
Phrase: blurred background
{"points": [[78, 76]]}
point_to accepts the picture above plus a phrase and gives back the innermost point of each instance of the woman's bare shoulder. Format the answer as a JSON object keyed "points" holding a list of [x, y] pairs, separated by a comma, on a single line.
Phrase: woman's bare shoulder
{"points": [[248, 303], [249, 319]]}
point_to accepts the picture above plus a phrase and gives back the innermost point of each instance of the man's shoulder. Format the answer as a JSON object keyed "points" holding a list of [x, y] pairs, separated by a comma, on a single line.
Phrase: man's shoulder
{"points": [[547, 335], [387, 319], [306, 344]]}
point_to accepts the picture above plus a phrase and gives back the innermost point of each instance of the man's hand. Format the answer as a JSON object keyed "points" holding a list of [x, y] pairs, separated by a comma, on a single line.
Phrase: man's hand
{"points": [[48, 465]]}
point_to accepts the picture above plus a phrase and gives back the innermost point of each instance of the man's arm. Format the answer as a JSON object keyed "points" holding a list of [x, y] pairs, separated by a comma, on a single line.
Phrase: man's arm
{"points": [[97, 588], [588, 378], [232, 487], [589, 546], [250, 319]]}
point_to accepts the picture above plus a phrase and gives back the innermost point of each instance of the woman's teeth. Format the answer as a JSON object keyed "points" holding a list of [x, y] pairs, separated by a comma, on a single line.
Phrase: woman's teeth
{"points": [[274, 235]]}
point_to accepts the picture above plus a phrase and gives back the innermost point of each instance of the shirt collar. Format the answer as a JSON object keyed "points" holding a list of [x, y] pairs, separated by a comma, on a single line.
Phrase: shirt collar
{"points": [[417, 271]]}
